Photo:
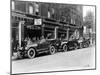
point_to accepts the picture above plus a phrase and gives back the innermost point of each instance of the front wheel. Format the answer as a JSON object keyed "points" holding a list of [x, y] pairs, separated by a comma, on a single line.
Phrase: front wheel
{"points": [[52, 50], [65, 48], [31, 53]]}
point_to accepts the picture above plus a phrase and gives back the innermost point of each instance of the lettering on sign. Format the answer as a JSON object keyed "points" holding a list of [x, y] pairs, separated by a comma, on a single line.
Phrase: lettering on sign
{"points": [[38, 22]]}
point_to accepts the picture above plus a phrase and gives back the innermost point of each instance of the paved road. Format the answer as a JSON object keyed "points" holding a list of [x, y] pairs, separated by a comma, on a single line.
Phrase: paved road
{"points": [[77, 59]]}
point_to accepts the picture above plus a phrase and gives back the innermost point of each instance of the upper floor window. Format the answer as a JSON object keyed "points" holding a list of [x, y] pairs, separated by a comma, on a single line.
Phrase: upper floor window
{"points": [[36, 5], [30, 9], [13, 5]]}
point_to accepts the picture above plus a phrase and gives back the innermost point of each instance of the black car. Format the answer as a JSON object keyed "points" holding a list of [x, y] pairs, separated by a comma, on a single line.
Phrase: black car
{"points": [[41, 46]]}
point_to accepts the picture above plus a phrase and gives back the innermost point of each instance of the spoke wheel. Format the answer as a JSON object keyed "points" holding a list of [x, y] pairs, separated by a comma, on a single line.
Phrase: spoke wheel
{"points": [[65, 48], [52, 50], [31, 53]]}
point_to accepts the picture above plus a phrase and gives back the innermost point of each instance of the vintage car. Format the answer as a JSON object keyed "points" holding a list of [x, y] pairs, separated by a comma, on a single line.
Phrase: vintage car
{"points": [[85, 43], [60, 45], [67, 45], [41, 46]]}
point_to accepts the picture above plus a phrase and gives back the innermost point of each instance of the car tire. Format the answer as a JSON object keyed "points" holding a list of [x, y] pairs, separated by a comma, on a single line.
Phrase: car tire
{"points": [[52, 50], [75, 46], [65, 48], [80, 46], [87, 45], [31, 53]]}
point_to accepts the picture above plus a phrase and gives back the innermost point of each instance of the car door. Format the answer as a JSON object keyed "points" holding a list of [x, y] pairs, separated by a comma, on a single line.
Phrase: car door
{"points": [[43, 45]]}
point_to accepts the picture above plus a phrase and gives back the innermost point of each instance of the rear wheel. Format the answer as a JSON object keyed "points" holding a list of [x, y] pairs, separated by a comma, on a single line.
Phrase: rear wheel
{"points": [[75, 46], [87, 45], [65, 48], [31, 53], [52, 50]]}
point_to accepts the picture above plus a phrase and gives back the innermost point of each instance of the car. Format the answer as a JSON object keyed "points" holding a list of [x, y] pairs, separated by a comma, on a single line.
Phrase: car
{"points": [[73, 45], [41, 46], [60, 45], [86, 43], [67, 45]]}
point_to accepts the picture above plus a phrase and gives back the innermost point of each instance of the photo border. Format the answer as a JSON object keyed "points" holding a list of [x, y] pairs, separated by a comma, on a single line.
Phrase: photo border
{"points": [[60, 70]]}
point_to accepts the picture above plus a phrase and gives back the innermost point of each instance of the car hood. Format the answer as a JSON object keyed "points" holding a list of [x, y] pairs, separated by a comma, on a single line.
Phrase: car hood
{"points": [[32, 45]]}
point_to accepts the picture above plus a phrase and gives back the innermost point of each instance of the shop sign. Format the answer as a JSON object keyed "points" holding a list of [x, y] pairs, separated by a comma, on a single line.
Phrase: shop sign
{"points": [[38, 22]]}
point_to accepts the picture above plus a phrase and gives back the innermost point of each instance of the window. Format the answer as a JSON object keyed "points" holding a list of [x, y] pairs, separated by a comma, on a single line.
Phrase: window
{"points": [[36, 7], [48, 14], [15, 17], [13, 5], [71, 20], [22, 19], [18, 18], [30, 9]]}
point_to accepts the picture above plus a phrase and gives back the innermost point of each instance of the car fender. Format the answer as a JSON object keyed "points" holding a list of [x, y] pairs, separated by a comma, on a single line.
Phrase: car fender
{"points": [[62, 43]]}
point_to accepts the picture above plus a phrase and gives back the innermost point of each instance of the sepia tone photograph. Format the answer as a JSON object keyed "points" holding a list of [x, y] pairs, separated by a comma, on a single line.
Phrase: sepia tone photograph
{"points": [[52, 37]]}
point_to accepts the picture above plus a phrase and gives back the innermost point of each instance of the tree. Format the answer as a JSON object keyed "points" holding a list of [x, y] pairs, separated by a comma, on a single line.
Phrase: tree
{"points": [[89, 20]]}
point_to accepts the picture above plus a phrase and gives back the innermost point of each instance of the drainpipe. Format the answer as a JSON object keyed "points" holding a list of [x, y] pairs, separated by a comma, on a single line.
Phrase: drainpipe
{"points": [[68, 34], [55, 32], [20, 32]]}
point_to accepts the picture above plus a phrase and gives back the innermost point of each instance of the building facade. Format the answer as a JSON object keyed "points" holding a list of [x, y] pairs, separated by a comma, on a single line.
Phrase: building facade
{"points": [[48, 20], [72, 14]]}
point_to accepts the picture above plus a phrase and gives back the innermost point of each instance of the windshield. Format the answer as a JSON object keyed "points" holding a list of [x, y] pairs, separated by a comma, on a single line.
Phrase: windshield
{"points": [[50, 36]]}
